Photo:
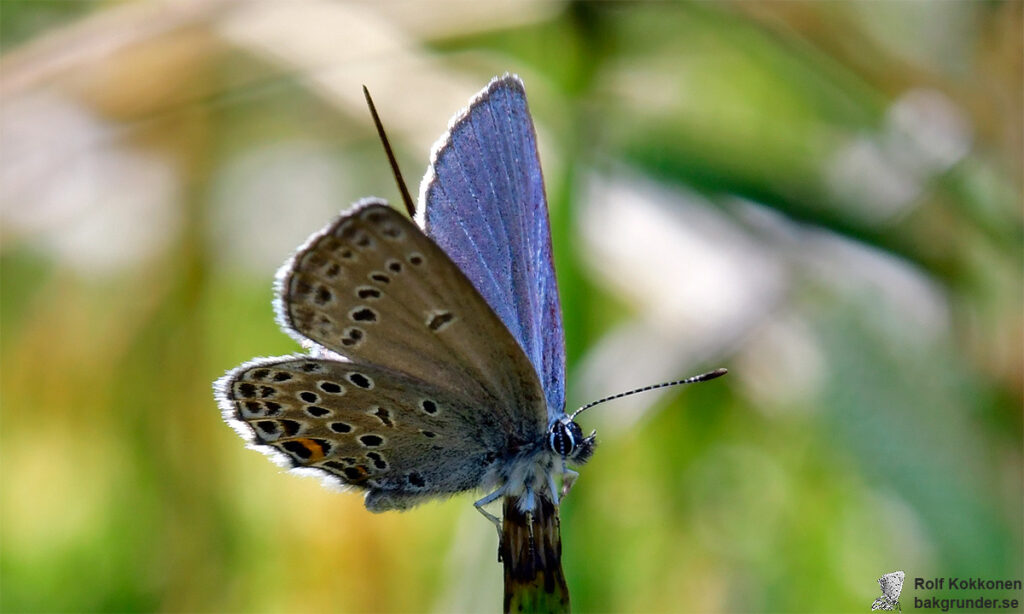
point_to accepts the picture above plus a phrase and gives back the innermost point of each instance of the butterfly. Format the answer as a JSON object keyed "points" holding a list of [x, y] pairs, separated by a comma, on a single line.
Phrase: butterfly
{"points": [[437, 358], [892, 586]]}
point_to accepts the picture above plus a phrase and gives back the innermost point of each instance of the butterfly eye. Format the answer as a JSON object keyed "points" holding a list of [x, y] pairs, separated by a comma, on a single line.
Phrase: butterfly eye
{"points": [[564, 437]]}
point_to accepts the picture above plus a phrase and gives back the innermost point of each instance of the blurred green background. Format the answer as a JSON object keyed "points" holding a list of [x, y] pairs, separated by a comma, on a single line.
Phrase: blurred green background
{"points": [[822, 197]]}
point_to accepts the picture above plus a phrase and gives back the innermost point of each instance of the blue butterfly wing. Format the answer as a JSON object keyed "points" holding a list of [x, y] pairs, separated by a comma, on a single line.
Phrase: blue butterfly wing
{"points": [[482, 200]]}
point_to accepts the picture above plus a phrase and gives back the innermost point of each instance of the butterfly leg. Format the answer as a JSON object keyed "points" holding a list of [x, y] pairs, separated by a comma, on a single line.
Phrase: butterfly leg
{"points": [[528, 504], [489, 516], [553, 488], [568, 479]]}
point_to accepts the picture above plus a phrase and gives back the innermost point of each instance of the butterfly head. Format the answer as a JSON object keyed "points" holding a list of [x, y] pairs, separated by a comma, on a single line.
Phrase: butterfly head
{"points": [[566, 439]]}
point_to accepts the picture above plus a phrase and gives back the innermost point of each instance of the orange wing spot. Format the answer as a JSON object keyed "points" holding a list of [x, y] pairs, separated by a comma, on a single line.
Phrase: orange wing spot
{"points": [[316, 451]]}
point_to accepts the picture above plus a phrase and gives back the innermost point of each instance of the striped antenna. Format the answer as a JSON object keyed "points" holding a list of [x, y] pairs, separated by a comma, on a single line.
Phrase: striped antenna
{"points": [[703, 377]]}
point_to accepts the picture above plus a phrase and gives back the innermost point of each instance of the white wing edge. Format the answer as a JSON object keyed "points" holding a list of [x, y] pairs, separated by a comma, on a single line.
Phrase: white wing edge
{"points": [[221, 390]]}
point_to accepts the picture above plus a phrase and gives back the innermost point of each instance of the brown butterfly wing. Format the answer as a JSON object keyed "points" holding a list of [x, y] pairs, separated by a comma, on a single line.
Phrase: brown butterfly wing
{"points": [[373, 288], [363, 426]]}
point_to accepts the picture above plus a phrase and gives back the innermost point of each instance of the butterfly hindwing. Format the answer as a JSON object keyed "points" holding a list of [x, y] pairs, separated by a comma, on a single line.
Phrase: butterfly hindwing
{"points": [[399, 438], [881, 603], [482, 200]]}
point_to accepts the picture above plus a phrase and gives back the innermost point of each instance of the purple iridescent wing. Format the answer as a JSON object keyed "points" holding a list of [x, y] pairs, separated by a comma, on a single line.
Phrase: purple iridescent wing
{"points": [[482, 200]]}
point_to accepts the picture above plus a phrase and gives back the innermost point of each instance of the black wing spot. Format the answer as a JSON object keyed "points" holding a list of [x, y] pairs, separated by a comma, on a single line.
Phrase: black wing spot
{"points": [[384, 416], [309, 397], [440, 320], [429, 406], [310, 367], [247, 390], [316, 411], [360, 380], [356, 473], [272, 408], [281, 376], [365, 292], [395, 266], [380, 278], [429, 434], [267, 426], [254, 407], [323, 296], [298, 449], [291, 427], [260, 373], [331, 387], [351, 336], [363, 314], [371, 441], [416, 480], [415, 259], [267, 391], [333, 464], [378, 460], [333, 270], [341, 427]]}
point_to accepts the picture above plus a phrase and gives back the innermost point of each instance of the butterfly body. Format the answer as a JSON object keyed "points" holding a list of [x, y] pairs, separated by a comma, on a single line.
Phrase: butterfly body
{"points": [[437, 353]]}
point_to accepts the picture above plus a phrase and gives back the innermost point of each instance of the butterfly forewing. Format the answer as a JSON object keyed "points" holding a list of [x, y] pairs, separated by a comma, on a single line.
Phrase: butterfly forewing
{"points": [[483, 202], [363, 426], [372, 287], [892, 585]]}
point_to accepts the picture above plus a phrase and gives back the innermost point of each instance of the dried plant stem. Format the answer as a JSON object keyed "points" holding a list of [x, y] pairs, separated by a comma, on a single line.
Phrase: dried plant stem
{"points": [[534, 581]]}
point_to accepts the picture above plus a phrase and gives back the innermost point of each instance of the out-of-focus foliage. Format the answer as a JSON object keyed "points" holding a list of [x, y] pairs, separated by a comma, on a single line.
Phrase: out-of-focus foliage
{"points": [[823, 197]]}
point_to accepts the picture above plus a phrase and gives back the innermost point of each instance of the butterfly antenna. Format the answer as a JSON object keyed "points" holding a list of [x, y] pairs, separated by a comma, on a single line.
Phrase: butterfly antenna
{"points": [[406, 197], [703, 377]]}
